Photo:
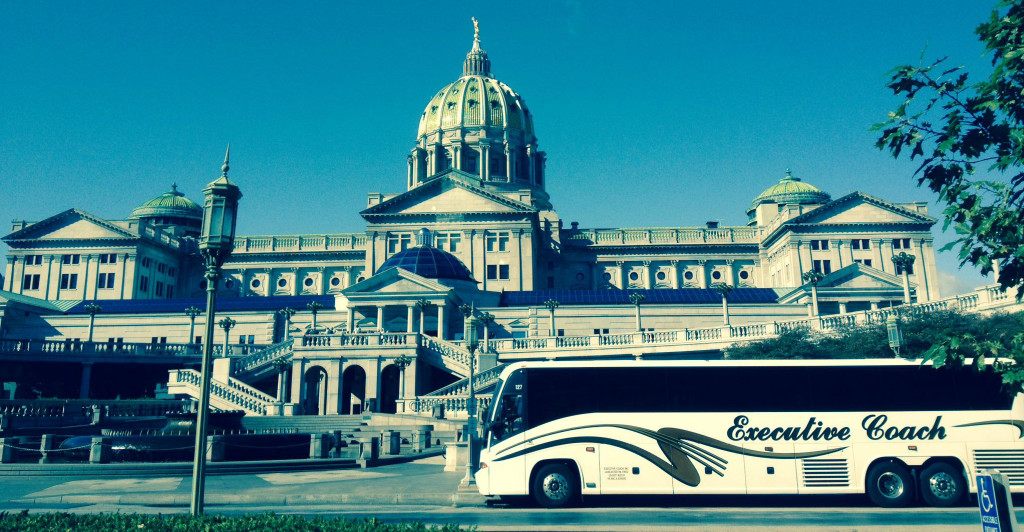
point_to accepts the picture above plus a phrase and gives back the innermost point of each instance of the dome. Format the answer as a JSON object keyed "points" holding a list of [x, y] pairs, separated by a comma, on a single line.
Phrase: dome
{"points": [[170, 204], [429, 262], [790, 190], [475, 101]]}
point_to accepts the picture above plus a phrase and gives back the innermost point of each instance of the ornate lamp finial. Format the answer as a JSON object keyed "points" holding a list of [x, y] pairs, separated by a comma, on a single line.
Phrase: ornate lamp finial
{"points": [[227, 154]]}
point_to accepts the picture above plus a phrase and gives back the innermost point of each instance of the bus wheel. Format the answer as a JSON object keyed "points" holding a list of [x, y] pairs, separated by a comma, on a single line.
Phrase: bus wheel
{"points": [[555, 486], [942, 485], [890, 485]]}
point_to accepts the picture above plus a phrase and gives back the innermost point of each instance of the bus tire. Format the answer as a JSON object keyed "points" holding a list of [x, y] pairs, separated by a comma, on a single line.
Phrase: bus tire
{"points": [[890, 485], [555, 486], [942, 485]]}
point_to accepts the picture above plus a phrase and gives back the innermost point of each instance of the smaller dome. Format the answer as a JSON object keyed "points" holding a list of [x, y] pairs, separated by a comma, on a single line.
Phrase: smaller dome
{"points": [[428, 262], [169, 204], [790, 189]]}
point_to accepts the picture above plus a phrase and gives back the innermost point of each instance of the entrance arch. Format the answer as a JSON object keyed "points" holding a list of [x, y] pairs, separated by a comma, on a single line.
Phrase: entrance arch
{"points": [[353, 390], [315, 401], [389, 385]]}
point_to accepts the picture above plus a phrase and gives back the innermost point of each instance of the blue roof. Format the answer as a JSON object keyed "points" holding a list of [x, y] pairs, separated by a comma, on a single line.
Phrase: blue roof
{"points": [[692, 296], [224, 304], [428, 262]]}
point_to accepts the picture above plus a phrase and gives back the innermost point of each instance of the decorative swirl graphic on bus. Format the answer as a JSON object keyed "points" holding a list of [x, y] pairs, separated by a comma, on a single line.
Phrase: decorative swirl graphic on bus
{"points": [[681, 449]]}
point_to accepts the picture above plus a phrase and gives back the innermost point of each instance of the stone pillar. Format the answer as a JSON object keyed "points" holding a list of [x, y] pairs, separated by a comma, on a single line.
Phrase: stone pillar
{"points": [[17, 274], [410, 321], [9, 274], [47, 444], [842, 307], [674, 273], [319, 445], [730, 275], [47, 280], [516, 277], [457, 157], [99, 450], [442, 325], [83, 385], [298, 381], [648, 278], [929, 274], [620, 274], [702, 273], [92, 266], [806, 263], [485, 161], [351, 325], [509, 163], [380, 319], [215, 448], [532, 170], [409, 171]]}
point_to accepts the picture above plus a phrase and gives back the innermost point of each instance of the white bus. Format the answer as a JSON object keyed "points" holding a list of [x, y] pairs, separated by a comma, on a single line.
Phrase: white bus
{"points": [[892, 429]]}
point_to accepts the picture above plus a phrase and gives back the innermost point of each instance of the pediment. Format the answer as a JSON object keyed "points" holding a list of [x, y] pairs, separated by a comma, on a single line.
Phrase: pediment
{"points": [[394, 281], [71, 224], [858, 277], [859, 208], [451, 193]]}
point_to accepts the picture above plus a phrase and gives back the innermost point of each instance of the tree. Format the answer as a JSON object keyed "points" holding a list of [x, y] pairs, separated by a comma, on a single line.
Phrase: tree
{"points": [[969, 141]]}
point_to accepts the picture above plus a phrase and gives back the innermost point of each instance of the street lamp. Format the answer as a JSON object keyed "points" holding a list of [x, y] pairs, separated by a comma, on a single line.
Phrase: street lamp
{"points": [[192, 312], [892, 326], [903, 263], [723, 290], [226, 324], [813, 277], [636, 298], [220, 209], [552, 304], [314, 307], [471, 340], [287, 312], [93, 309]]}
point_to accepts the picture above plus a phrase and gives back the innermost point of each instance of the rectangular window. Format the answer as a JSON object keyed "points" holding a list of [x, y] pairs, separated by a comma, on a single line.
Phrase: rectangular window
{"points": [[497, 272], [161, 267], [398, 243], [70, 259], [865, 262], [252, 339], [198, 339], [170, 291], [143, 284], [448, 241], [171, 271], [69, 281], [241, 339], [159, 289], [105, 280], [901, 243], [146, 261], [33, 260], [823, 266], [497, 241], [819, 245], [910, 270], [860, 243], [30, 282], [108, 258]]}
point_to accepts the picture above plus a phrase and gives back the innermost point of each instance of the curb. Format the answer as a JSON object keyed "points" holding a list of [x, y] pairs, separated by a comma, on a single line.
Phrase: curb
{"points": [[461, 499]]}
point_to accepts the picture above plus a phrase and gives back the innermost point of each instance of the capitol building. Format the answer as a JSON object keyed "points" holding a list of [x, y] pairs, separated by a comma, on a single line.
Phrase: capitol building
{"points": [[473, 226]]}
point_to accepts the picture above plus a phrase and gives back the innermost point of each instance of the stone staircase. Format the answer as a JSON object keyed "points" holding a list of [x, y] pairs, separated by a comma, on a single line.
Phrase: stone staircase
{"points": [[231, 395], [263, 362], [445, 355]]}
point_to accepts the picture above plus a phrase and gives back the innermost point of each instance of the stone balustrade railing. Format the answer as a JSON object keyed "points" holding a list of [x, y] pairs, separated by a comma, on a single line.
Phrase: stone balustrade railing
{"points": [[123, 349], [660, 235], [268, 355], [80, 407], [384, 339], [263, 244], [461, 387], [454, 405], [455, 354], [233, 392]]}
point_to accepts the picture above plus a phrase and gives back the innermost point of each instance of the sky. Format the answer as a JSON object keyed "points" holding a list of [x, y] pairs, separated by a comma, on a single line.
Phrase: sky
{"points": [[652, 114]]}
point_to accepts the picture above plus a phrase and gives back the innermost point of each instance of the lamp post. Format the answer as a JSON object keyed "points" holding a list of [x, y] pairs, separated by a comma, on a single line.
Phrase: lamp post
{"points": [[904, 262], [486, 319], [471, 340], [552, 304], [226, 324], [636, 298], [892, 326], [812, 278], [93, 309], [220, 209], [287, 312], [723, 290], [314, 307], [192, 312], [403, 362]]}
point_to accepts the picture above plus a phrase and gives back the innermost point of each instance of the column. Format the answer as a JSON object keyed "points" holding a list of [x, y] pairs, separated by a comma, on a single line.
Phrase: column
{"points": [[730, 275], [410, 319], [674, 272], [52, 282], [323, 279], [839, 255], [806, 263], [83, 387], [18, 274], [351, 326], [9, 274], [431, 165], [842, 307], [298, 383], [702, 273], [532, 170], [295, 281], [509, 165], [60, 271], [457, 157], [620, 274], [517, 260], [409, 170], [91, 267], [380, 318], [123, 277], [485, 161], [442, 325], [929, 275]]}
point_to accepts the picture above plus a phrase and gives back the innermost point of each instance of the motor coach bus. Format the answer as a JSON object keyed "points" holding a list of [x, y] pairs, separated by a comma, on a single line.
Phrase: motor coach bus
{"points": [[893, 429]]}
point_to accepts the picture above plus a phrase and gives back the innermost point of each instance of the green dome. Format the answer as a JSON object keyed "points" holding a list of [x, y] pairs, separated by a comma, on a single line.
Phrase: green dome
{"points": [[170, 204], [790, 190]]}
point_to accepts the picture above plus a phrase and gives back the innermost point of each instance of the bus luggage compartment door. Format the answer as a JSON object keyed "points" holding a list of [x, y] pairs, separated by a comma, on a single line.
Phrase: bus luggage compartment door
{"points": [[623, 471], [776, 474]]}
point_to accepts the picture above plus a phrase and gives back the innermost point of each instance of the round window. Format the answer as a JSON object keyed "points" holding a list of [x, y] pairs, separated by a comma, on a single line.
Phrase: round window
{"points": [[661, 276], [335, 281], [744, 274], [308, 281], [607, 276], [229, 283], [688, 276], [633, 276], [282, 282], [255, 283], [716, 275], [580, 276]]}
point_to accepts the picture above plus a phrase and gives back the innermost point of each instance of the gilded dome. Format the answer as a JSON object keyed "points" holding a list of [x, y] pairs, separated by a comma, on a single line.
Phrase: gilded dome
{"points": [[790, 189], [170, 204]]}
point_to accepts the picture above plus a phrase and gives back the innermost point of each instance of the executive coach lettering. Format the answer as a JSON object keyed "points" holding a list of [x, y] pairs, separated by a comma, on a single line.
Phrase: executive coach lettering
{"points": [[874, 426], [813, 430]]}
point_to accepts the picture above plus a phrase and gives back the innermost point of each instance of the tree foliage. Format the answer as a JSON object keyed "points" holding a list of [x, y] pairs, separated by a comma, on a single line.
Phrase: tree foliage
{"points": [[969, 140]]}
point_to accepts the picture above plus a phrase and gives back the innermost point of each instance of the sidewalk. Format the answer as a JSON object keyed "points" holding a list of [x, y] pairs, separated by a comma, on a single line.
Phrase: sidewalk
{"points": [[422, 481]]}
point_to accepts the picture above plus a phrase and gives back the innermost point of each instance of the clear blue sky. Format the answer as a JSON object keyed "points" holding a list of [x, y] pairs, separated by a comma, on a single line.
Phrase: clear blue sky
{"points": [[651, 113]]}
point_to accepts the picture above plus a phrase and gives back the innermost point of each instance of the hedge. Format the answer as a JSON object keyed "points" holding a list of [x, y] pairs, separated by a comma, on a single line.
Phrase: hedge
{"points": [[118, 522]]}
